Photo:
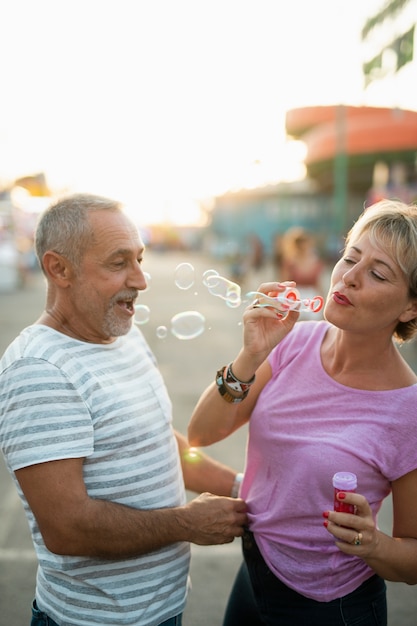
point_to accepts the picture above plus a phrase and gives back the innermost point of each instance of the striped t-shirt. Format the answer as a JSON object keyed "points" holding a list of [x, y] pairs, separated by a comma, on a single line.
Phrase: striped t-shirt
{"points": [[62, 398]]}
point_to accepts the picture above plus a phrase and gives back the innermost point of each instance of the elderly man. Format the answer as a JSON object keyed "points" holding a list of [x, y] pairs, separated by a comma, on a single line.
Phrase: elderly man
{"points": [[86, 432]]}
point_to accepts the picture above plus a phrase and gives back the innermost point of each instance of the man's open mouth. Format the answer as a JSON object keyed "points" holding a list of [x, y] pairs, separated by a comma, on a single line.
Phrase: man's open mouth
{"points": [[128, 305]]}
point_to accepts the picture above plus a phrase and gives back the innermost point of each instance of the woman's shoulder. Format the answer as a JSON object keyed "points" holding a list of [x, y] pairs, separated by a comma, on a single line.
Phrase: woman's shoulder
{"points": [[306, 336], [313, 330]]}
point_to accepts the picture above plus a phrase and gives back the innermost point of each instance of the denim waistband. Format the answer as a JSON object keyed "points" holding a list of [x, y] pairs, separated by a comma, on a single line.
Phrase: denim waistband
{"points": [[39, 618]]}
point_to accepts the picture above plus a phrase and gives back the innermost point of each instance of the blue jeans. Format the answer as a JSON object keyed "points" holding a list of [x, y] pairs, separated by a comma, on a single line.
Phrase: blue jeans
{"points": [[259, 598], [173, 621], [41, 619]]}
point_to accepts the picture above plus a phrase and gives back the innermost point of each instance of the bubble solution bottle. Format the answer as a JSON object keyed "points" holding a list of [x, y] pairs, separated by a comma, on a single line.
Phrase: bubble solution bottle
{"points": [[344, 481]]}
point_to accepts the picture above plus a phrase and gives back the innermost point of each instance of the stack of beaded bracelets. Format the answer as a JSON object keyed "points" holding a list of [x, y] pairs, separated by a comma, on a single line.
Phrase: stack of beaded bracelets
{"points": [[225, 378]]}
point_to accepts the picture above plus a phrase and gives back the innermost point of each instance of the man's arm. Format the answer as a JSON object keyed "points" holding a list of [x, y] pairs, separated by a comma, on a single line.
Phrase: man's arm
{"points": [[72, 523]]}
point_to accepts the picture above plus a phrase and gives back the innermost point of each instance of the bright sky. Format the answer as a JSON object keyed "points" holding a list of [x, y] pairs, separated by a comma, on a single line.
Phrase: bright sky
{"points": [[163, 102]]}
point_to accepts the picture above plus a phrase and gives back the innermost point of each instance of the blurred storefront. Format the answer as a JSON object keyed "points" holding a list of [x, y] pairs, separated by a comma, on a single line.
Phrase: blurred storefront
{"points": [[19, 211]]}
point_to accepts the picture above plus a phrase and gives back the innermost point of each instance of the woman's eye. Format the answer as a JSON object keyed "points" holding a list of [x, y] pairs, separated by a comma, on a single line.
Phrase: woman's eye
{"points": [[378, 276]]}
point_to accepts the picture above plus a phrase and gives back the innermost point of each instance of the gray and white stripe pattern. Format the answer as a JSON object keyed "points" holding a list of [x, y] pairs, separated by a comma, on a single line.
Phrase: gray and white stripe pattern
{"points": [[62, 398]]}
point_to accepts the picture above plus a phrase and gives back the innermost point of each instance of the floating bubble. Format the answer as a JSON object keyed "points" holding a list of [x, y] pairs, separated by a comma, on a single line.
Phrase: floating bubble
{"points": [[187, 325], [148, 282], [233, 297], [142, 314], [225, 289], [184, 275], [161, 332], [209, 274]]}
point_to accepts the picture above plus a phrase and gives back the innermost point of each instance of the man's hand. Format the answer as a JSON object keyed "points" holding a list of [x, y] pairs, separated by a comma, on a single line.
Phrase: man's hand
{"points": [[214, 519]]}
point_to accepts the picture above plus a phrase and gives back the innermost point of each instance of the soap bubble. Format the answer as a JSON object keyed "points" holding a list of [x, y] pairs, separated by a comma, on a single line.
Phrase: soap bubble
{"points": [[225, 289], [184, 275], [207, 275], [148, 282], [161, 332], [142, 314], [187, 325]]}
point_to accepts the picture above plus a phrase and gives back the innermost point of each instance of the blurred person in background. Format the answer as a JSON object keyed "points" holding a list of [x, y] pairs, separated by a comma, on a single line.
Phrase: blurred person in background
{"points": [[322, 397], [257, 253], [87, 435], [301, 263]]}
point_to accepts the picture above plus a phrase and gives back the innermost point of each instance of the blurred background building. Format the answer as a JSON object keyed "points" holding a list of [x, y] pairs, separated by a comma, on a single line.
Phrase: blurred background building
{"points": [[354, 155]]}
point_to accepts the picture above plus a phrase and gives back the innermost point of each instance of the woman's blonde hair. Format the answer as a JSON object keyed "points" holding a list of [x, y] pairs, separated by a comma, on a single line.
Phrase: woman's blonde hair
{"points": [[392, 225]]}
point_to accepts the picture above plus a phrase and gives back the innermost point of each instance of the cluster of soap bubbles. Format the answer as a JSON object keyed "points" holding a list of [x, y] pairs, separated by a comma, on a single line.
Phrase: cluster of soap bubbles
{"points": [[191, 324], [223, 288], [217, 285]]}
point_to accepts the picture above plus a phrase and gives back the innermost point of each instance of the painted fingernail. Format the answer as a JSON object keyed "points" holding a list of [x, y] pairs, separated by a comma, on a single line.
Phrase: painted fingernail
{"points": [[325, 513], [341, 495], [325, 523]]}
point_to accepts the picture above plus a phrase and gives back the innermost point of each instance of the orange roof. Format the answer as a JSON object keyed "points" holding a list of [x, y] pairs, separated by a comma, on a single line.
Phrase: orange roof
{"points": [[357, 130]]}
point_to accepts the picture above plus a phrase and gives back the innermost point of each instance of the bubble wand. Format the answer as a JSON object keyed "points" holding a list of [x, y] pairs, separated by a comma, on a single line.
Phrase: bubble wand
{"points": [[288, 300]]}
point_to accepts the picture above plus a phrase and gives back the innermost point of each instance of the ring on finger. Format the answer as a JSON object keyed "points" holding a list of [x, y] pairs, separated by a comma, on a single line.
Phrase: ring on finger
{"points": [[358, 540]]}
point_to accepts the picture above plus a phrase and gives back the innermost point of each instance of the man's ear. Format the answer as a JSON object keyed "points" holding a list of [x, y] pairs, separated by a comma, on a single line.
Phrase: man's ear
{"points": [[57, 268]]}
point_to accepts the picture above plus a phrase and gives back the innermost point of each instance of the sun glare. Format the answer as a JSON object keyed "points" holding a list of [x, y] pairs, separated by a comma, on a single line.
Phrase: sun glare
{"points": [[174, 111]]}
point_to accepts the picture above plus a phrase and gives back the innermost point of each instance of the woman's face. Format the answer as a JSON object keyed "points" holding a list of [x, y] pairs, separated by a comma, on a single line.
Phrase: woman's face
{"points": [[368, 290]]}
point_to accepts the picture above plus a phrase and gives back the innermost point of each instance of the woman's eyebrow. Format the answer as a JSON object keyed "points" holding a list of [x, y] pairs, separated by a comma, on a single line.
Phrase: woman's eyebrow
{"points": [[379, 261]]}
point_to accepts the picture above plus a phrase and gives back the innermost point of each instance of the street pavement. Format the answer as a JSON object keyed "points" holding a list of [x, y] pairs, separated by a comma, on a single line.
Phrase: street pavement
{"points": [[187, 366]]}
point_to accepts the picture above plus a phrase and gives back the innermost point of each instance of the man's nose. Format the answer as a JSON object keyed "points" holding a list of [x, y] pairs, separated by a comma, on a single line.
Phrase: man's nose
{"points": [[137, 278]]}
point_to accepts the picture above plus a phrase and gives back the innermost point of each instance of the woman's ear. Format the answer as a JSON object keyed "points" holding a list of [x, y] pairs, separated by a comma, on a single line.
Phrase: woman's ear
{"points": [[57, 268], [410, 312]]}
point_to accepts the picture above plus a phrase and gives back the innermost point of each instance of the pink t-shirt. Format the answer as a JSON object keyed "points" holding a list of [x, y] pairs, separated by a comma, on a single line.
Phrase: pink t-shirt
{"points": [[305, 428]]}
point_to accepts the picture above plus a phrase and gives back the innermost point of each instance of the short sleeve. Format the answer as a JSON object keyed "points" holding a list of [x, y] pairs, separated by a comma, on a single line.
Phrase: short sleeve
{"points": [[44, 418]]}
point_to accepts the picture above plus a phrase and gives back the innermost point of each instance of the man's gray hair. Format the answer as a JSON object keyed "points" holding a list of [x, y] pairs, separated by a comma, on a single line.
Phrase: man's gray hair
{"points": [[64, 226]]}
